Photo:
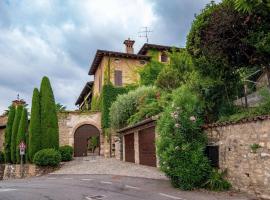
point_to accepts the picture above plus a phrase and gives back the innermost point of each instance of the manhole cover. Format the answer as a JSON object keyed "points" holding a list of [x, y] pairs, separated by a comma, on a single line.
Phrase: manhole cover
{"points": [[95, 197]]}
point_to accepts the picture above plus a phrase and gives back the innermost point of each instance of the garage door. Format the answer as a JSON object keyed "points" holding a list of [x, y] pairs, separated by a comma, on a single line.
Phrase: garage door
{"points": [[147, 148], [129, 148]]}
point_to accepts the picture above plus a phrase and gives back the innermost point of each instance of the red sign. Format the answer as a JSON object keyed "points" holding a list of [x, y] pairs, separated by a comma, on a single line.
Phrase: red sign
{"points": [[22, 145]]}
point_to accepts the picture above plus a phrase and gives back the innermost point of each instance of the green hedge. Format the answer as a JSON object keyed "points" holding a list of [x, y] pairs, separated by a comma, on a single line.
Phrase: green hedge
{"points": [[2, 157], [66, 153], [109, 94], [47, 157]]}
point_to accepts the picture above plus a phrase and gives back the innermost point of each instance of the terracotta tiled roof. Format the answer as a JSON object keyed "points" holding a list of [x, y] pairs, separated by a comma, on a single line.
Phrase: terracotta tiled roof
{"points": [[87, 88], [147, 46], [100, 53], [241, 121]]}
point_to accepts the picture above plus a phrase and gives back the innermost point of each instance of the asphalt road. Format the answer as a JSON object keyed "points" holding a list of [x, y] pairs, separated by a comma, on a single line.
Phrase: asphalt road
{"points": [[101, 187]]}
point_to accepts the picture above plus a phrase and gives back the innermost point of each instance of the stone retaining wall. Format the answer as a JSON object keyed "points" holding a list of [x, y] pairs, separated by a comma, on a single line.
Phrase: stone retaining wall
{"points": [[14, 171], [248, 169]]}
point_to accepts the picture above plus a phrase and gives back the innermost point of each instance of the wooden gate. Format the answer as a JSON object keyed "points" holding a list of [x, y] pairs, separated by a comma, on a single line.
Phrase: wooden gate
{"points": [[147, 148], [129, 148], [81, 136]]}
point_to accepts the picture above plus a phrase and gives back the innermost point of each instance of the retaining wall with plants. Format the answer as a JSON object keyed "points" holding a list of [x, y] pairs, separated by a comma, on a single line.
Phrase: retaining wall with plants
{"points": [[244, 151]]}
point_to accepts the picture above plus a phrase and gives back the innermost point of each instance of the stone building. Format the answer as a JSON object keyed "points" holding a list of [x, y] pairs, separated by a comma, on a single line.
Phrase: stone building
{"points": [[121, 68], [244, 152]]}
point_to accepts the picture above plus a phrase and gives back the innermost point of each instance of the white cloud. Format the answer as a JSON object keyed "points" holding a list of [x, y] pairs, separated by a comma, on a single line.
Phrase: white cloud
{"points": [[59, 38]]}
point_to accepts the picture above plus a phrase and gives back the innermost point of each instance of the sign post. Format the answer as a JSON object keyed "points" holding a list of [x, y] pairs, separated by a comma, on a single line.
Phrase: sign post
{"points": [[22, 153]]}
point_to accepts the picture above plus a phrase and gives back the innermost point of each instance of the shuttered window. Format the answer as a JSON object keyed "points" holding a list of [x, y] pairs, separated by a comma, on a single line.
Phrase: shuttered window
{"points": [[118, 78]]}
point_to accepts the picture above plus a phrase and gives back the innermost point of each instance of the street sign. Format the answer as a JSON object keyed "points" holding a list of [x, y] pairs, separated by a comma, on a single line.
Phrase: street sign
{"points": [[22, 148]]}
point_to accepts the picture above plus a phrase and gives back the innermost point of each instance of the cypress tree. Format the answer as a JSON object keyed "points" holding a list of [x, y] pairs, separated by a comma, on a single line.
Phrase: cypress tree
{"points": [[15, 127], [49, 121], [21, 136], [34, 127], [8, 133]]}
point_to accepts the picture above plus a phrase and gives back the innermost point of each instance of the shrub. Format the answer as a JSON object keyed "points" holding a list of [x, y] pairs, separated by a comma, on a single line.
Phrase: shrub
{"points": [[66, 153], [34, 127], [127, 105], [216, 181], [8, 134], [49, 121], [181, 142], [47, 157], [108, 96], [2, 157]]}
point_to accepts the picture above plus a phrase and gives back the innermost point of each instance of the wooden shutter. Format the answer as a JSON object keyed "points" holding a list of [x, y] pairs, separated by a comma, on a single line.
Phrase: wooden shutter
{"points": [[118, 78]]}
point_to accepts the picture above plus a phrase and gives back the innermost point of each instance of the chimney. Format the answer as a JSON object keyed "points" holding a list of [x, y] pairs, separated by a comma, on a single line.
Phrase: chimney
{"points": [[129, 46]]}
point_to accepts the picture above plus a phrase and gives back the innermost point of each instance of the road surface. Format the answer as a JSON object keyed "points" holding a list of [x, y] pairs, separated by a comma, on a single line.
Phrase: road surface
{"points": [[101, 187]]}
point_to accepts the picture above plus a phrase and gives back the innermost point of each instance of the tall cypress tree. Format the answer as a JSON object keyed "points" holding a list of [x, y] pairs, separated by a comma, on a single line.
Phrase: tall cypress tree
{"points": [[34, 127], [8, 133], [49, 121], [15, 128], [21, 136]]}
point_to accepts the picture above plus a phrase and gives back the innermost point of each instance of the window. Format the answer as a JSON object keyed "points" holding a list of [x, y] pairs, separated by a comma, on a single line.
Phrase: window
{"points": [[212, 153], [163, 57], [118, 78]]}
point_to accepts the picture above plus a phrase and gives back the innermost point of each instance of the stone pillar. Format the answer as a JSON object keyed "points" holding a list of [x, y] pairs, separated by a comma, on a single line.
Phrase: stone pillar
{"points": [[136, 147]]}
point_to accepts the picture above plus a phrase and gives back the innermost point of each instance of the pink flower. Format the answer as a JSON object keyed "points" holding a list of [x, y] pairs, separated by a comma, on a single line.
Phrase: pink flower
{"points": [[177, 125], [192, 118]]}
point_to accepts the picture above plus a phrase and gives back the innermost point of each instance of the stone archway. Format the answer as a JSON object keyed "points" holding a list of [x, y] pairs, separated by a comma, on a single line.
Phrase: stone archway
{"points": [[81, 137]]}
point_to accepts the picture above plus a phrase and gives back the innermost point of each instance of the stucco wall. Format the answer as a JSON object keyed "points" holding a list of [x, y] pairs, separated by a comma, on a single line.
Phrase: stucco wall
{"points": [[126, 65], [247, 170], [69, 121]]}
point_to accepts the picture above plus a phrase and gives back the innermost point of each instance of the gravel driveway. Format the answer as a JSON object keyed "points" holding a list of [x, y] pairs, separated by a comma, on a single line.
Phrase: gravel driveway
{"points": [[101, 165]]}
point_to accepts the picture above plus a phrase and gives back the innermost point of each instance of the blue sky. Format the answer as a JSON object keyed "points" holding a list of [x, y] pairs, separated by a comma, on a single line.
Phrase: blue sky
{"points": [[58, 38]]}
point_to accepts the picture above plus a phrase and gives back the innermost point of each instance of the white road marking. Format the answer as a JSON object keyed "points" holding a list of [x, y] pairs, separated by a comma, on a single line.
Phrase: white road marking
{"points": [[7, 190], [86, 179], [68, 178], [132, 187], [51, 178], [170, 196], [106, 182]]}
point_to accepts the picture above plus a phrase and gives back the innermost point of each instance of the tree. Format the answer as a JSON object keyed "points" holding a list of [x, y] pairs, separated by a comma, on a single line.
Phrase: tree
{"points": [[34, 127], [49, 121], [8, 133], [177, 72], [15, 128], [223, 40], [149, 73], [21, 136], [60, 107]]}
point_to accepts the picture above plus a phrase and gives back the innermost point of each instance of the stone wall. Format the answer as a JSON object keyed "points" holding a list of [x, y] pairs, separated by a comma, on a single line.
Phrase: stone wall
{"points": [[29, 170], [3, 121], [69, 121], [247, 169]]}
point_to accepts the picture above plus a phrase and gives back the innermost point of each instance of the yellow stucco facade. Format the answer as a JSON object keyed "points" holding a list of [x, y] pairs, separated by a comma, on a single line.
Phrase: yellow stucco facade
{"points": [[128, 66]]}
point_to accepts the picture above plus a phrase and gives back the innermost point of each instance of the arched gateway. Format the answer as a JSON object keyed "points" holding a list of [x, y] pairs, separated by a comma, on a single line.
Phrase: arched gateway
{"points": [[82, 137]]}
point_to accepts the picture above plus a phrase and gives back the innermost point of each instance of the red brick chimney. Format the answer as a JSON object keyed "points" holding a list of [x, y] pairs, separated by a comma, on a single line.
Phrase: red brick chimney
{"points": [[129, 45]]}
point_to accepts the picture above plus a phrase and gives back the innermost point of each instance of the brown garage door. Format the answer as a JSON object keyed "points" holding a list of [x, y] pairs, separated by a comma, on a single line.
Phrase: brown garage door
{"points": [[129, 148], [147, 148], [81, 136]]}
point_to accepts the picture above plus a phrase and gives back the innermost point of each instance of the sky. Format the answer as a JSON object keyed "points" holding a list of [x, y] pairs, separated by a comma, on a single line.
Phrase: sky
{"points": [[59, 38]]}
